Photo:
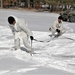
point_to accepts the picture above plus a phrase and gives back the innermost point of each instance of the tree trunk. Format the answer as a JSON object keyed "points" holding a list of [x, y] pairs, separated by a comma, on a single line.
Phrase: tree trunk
{"points": [[28, 3], [1, 3]]}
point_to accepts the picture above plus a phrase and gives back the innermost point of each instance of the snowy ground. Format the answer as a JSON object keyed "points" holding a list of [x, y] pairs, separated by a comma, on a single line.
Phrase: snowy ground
{"points": [[53, 58]]}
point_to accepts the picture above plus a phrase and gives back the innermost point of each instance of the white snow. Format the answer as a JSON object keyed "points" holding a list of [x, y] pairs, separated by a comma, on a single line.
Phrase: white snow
{"points": [[52, 58]]}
